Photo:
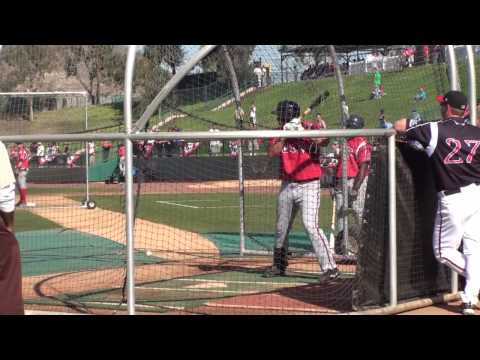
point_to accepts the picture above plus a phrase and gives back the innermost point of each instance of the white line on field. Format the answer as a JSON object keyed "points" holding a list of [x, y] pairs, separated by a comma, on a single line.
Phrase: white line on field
{"points": [[209, 207], [136, 305], [195, 290], [242, 282], [176, 204], [194, 200]]}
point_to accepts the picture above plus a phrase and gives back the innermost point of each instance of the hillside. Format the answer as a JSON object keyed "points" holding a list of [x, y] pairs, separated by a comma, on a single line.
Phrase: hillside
{"points": [[400, 89]]}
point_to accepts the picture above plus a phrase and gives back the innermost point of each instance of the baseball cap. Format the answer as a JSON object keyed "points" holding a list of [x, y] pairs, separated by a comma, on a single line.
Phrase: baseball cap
{"points": [[455, 99]]}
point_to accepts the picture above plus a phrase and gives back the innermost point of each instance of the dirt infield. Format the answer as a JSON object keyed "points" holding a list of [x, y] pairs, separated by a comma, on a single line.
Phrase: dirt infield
{"points": [[164, 241], [228, 186]]}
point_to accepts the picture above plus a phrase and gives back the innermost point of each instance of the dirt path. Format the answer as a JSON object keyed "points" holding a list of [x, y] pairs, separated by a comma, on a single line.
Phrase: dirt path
{"points": [[164, 241]]}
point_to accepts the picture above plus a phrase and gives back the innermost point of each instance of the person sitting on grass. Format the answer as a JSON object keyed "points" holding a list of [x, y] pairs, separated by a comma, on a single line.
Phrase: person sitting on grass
{"points": [[421, 94]]}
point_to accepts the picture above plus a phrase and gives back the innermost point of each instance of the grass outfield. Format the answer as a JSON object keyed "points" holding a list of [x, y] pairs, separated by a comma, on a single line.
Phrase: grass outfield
{"points": [[67, 120], [213, 212]]}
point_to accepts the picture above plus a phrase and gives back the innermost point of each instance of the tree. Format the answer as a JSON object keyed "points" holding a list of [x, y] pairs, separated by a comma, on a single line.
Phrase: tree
{"points": [[153, 68], [94, 66], [27, 66], [241, 56]]}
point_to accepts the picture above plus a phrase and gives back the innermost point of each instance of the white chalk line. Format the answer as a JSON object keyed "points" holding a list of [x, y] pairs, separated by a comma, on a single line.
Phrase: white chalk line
{"points": [[209, 207], [196, 290], [243, 282]]}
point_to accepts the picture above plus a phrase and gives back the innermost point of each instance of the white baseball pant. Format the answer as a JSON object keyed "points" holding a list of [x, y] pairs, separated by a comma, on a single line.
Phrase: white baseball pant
{"points": [[305, 196], [457, 219]]}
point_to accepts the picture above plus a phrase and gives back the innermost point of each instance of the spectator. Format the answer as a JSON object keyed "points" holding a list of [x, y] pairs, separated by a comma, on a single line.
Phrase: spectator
{"points": [[106, 146], [415, 118], [41, 160], [148, 149], [437, 54], [377, 81], [11, 299], [382, 123], [215, 145], [121, 160], [411, 56], [426, 54], [253, 116], [258, 73], [421, 94], [91, 152], [234, 146]]}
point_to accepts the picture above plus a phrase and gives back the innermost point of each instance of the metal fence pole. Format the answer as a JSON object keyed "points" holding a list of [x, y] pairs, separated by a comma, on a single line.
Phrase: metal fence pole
{"points": [[239, 119], [344, 113], [472, 84], [454, 85], [392, 224], [129, 203], [87, 158]]}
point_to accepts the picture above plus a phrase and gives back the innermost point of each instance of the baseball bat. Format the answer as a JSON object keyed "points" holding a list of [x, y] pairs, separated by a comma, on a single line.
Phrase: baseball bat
{"points": [[332, 225], [317, 102]]}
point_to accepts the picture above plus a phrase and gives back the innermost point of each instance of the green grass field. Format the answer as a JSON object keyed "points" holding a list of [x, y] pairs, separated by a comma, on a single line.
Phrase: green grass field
{"points": [[212, 212]]}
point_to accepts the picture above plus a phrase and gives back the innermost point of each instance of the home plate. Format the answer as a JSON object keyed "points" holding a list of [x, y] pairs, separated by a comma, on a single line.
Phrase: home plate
{"points": [[208, 285]]}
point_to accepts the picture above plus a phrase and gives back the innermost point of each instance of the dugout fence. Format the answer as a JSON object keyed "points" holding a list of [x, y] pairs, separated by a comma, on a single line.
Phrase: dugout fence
{"points": [[168, 265]]}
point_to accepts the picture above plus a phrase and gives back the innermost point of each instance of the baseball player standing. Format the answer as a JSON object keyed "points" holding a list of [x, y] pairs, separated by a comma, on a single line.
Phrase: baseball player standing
{"points": [[451, 146], [22, 167], [11, 301], [358, 163], [300, 189]]}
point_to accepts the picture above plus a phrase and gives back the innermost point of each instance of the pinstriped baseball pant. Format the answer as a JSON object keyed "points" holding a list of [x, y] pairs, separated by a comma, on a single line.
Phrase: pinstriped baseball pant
{"points": [[305, 196], [358, 205]]}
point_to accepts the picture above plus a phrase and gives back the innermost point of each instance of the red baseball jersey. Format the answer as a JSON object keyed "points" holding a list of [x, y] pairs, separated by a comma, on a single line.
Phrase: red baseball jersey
{"points": [[121, 151], [359, 151], [22, 160], [299, 160]]}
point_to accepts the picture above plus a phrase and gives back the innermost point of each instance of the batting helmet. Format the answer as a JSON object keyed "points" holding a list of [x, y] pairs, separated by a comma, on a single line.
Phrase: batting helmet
{"points": [[355, 122], [287, 110]]}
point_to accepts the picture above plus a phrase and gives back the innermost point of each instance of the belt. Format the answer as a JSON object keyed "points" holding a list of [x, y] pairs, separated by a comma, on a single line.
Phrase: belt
{"points": [[301, 181], [456, 191]]}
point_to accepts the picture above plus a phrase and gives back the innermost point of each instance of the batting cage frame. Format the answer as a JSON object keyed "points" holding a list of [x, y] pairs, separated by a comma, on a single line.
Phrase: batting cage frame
{"points": [[135, 131]]}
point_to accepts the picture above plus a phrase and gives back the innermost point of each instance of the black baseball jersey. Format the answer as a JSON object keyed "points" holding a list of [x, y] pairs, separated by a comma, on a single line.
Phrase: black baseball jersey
{"points": [[453, 150]]}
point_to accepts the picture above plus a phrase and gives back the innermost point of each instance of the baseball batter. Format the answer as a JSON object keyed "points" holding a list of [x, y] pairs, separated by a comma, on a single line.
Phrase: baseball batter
{"points": [[300, 189], [358, 163], [452, 146]]}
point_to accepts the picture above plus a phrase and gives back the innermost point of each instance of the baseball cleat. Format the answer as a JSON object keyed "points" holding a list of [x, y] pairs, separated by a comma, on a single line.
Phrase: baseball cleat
{"points": [[274, 271], [329, 275], [468, 309]]}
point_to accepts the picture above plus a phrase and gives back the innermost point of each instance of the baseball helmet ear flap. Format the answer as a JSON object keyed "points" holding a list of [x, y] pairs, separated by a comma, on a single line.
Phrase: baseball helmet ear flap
{"points": [[355, 122], [287, 110]]}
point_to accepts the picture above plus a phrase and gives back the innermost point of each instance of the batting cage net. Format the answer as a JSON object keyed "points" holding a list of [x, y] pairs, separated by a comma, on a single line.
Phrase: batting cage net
{"points": [[211, 213]]}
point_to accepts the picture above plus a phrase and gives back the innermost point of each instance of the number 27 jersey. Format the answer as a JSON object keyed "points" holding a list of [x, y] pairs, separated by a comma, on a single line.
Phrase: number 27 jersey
{"points": [[453, 148]]}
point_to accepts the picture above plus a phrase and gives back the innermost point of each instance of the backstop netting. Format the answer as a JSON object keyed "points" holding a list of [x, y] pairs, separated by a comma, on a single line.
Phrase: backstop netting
{"points": [[204, 234]]}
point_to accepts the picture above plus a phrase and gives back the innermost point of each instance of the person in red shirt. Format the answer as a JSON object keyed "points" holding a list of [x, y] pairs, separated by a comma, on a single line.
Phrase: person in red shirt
{"points": [[22, 167], [300, 173], [359, 157], [426, 54]]}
